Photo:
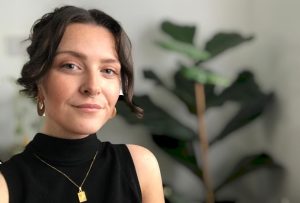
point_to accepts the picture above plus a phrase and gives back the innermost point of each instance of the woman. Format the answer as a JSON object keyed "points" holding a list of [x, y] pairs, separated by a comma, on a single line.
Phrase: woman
{"points": [[79, 62]]}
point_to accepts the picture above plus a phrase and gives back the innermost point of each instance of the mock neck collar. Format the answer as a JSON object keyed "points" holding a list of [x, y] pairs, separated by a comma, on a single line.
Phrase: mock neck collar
{"points": [[64, 151]]}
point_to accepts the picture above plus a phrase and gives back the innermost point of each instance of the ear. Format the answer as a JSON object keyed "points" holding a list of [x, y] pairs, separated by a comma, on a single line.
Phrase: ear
{"points": [[40, 92], [114, 113]]}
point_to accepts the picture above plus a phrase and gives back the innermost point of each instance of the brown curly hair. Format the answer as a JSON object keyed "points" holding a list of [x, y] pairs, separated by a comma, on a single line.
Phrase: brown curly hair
{"points": [[46, 34]]}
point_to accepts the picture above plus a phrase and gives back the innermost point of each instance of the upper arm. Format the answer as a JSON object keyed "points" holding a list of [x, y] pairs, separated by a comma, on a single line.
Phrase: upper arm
{"points": [[148, 173], [3, 190]]}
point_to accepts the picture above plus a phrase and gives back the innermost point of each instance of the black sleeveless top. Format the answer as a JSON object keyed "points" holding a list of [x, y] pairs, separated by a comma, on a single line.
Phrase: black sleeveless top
{"points": [[112, 178]]}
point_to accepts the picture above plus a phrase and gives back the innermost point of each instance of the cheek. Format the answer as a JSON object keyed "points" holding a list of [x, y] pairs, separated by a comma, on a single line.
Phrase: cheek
{"points": [[53, 99], [113, 93], [55, 96], [56, 91]]}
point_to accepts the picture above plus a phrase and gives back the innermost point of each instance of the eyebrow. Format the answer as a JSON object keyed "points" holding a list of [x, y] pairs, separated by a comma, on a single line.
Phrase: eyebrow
{"points": [[84, 57]]}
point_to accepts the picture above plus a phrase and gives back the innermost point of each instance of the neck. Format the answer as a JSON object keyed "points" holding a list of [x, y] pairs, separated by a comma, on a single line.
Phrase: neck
{"points": [[63, 151], [63, 130], [54, 132]]}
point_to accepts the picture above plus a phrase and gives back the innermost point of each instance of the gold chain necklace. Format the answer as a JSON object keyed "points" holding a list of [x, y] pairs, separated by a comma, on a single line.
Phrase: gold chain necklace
{"points": [[81, 194]]}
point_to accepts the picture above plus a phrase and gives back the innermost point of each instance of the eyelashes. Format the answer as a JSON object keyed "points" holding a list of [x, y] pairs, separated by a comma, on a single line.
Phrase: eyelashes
{"points": [[70, 66], [106, 71], [110, 71]]}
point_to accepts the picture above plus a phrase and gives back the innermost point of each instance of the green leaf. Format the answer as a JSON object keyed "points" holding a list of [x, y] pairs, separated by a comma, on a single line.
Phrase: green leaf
{"points": [[224, 41], [248, 165], [243, 89], [212, 99], [184, 48], [179, 198], [180, 150], [253, 103], [172, 196], [246, 115], [149, 74], [203, 76], [185, 90], [156, 120], [178, 32]]}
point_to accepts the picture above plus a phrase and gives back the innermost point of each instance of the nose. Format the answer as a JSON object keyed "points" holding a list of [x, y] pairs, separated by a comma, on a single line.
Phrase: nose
{"points": [[91, 86]]}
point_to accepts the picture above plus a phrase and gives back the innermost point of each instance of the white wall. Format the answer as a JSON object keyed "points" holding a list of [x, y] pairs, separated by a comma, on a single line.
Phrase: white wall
{"points": [[277, 23], [272, 56]]}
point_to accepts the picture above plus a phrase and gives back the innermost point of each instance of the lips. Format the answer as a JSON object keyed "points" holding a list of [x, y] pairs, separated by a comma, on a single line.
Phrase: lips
{"points": [[89, 106]]}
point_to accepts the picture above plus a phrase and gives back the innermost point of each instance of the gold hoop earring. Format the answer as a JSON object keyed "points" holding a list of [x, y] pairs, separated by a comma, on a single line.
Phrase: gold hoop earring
{"points": [[40, 107]]}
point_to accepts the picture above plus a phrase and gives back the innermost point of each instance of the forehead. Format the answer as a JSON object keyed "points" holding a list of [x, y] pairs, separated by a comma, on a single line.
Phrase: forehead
{"points": [[88, 38], [87, 28]]}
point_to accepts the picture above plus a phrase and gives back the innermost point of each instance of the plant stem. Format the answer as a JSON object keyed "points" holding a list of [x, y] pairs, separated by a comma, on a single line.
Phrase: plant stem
{"points": [[200, 103]]}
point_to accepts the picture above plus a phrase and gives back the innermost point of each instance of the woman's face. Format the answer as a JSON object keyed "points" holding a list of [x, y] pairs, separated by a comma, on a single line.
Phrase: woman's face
{"points": [[83, 85]]}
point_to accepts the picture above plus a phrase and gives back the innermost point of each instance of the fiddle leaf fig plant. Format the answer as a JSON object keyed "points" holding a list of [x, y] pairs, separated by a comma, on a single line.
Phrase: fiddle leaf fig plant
{"points": [[177, 139]]}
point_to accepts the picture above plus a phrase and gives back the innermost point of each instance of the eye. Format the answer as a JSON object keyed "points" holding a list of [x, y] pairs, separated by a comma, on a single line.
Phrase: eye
{"points": [[70, 66], [109, 72]]}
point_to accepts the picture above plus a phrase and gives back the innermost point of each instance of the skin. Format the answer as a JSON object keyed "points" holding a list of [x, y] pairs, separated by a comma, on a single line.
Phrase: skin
{"points": [[3, 190], [85, 71], [80, 92], [148, 173]]}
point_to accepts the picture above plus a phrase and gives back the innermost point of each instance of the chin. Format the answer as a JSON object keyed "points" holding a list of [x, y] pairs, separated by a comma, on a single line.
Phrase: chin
{"points": [[85, 126], [88, 129]]}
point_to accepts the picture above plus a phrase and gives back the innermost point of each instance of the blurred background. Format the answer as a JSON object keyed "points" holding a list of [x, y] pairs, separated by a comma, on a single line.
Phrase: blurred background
{"points": [[252, 47]]}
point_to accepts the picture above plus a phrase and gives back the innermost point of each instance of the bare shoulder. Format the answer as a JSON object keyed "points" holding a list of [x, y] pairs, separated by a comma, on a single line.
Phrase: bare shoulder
{"points": [[148, 173], [143, 156], [3, 190], [144, 160]]}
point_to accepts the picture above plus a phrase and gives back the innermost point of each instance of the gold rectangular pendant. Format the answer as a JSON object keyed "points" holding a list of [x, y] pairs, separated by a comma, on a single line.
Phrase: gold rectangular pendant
{"points": [[81, 196]]}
